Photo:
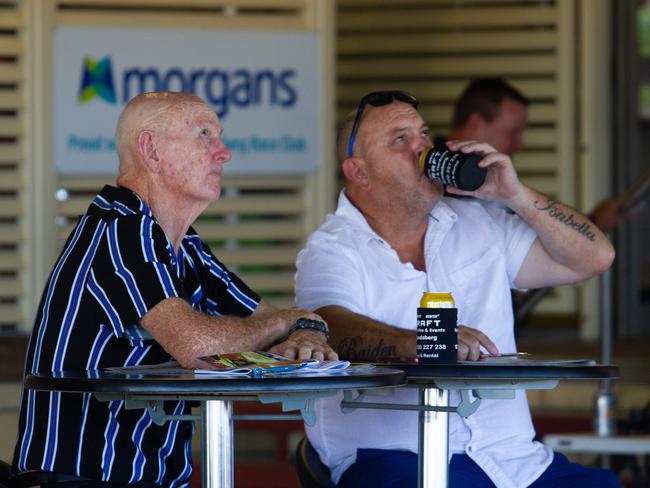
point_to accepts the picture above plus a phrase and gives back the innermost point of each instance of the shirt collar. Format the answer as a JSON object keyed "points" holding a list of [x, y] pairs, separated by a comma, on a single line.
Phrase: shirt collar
{"points": [[122, 200], [347, 210], [441, 212]]}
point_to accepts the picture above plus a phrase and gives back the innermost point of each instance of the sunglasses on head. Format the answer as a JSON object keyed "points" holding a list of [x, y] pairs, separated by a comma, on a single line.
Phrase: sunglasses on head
{"points": [[378, 99]]}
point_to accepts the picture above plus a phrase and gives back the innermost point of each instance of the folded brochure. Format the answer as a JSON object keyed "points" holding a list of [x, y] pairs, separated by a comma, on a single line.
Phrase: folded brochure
{"points": [[251, 363]]}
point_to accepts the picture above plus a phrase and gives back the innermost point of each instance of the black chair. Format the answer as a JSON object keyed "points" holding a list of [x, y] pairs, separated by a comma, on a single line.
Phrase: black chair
{"points": [[311, 471], [45, 479], [5, 473], [29, 479]]}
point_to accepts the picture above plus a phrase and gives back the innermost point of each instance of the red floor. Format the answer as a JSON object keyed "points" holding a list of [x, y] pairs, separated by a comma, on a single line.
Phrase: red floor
{"points": [[258, 476]]}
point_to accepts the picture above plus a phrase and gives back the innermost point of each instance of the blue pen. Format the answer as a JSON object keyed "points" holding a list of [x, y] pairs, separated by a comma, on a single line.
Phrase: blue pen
{"points": [[259, 372]]}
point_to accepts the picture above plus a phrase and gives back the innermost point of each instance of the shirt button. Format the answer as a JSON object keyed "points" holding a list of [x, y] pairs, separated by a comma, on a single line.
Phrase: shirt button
{"points": [[469, 448]]}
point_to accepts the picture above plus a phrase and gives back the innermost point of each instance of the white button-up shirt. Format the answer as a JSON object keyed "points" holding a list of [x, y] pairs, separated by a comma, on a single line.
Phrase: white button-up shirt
{"points": [[473, 251]]}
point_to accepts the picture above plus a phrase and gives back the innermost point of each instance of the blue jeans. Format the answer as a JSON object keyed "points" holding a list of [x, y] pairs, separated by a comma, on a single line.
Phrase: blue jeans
{"points": [[382, 468]]}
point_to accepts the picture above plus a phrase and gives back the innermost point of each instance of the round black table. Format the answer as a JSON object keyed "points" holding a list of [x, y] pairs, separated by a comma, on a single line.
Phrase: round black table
{"points": [[216, 393], [518, 370], [484, 379]]}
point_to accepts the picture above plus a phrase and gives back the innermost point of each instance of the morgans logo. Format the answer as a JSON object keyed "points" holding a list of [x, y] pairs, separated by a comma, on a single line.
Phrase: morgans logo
{"points": [[97, 80], [223, 89]]}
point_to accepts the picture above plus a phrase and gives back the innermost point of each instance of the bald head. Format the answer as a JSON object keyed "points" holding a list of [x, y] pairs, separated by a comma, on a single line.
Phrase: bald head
{"points": [[148, 111]]}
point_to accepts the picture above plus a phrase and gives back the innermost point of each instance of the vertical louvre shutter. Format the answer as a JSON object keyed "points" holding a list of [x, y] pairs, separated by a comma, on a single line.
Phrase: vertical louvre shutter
{"points": [[12, 158], [432, 48]]}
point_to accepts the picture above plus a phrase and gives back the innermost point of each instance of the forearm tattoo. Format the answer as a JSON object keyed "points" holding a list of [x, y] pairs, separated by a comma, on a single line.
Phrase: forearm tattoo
{"points": [[567, 219], [353, 348]]}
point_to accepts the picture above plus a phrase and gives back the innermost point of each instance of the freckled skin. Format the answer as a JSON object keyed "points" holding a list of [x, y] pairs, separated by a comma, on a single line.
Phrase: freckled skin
{"points": [[193, 154], [172, 155]]}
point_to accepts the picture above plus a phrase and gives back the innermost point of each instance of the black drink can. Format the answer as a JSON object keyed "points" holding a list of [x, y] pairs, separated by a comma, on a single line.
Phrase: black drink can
{"points": [[453, 168], [437, 329]]}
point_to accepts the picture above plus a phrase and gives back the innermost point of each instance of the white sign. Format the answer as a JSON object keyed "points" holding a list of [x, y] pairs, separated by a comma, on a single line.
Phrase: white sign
{"points": [[264, 86]]}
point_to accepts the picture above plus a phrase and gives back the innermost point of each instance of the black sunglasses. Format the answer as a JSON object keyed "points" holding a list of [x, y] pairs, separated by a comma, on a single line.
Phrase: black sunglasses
{"points": [[378, 99]]}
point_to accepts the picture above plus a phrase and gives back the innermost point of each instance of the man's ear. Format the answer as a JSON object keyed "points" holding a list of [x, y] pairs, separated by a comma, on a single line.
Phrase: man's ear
{"points": [[147, 148], [475, 125], [355, 172]]}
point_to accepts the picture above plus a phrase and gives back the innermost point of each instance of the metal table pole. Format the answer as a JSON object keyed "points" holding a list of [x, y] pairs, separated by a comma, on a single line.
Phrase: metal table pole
{"points": [[604, 424], [433, 440], [217, 444]]}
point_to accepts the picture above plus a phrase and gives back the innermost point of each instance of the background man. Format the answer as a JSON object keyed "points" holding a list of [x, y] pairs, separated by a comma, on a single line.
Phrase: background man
{"points": [[393, 237], [493, 111], [133, 262]]}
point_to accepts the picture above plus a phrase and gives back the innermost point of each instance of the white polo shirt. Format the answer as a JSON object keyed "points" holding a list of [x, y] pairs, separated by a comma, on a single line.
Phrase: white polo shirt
{"points": [[475, 252]]}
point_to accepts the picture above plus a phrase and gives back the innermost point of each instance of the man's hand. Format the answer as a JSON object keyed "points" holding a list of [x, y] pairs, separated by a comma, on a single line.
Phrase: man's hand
{"points": [[501, 182], [469, 344], [305, 344], [611, 212], [289, 316]]}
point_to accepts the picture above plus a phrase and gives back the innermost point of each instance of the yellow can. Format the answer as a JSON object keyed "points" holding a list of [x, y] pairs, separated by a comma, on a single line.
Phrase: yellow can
{"points": [[437, 300]]}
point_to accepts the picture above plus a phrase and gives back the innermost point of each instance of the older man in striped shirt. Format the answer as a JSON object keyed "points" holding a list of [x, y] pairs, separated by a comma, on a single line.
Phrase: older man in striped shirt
{"points": [[134, 262]]}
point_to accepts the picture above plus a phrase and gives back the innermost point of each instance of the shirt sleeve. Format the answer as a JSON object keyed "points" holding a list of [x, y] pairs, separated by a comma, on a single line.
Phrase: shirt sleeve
{"points": [[519, 237], [328, 274], [133, 271]]}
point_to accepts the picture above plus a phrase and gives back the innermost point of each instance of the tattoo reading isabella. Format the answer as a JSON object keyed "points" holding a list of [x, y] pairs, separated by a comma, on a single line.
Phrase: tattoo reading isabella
{"points": [[582, 227], [349, 349]]}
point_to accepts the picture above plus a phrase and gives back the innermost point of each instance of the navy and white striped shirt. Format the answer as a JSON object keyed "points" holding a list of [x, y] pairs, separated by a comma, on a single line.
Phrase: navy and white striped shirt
{"points": [[116, 265]]}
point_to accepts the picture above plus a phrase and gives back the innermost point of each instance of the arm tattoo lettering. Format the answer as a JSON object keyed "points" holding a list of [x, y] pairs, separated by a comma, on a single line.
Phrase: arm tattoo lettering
{"points": [[354, 349], [567, 219]]}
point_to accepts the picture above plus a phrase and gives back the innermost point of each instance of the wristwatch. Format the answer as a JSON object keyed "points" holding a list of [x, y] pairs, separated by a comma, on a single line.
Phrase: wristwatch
{"points": [[310, 324]]}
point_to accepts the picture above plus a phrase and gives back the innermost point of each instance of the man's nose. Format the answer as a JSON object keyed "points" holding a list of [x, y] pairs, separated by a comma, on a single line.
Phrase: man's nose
{"points": [[221, 151]]}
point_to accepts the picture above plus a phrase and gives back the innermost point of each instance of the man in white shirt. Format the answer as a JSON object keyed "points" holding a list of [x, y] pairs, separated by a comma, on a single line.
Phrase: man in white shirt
{"points": [[393, 237]]}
